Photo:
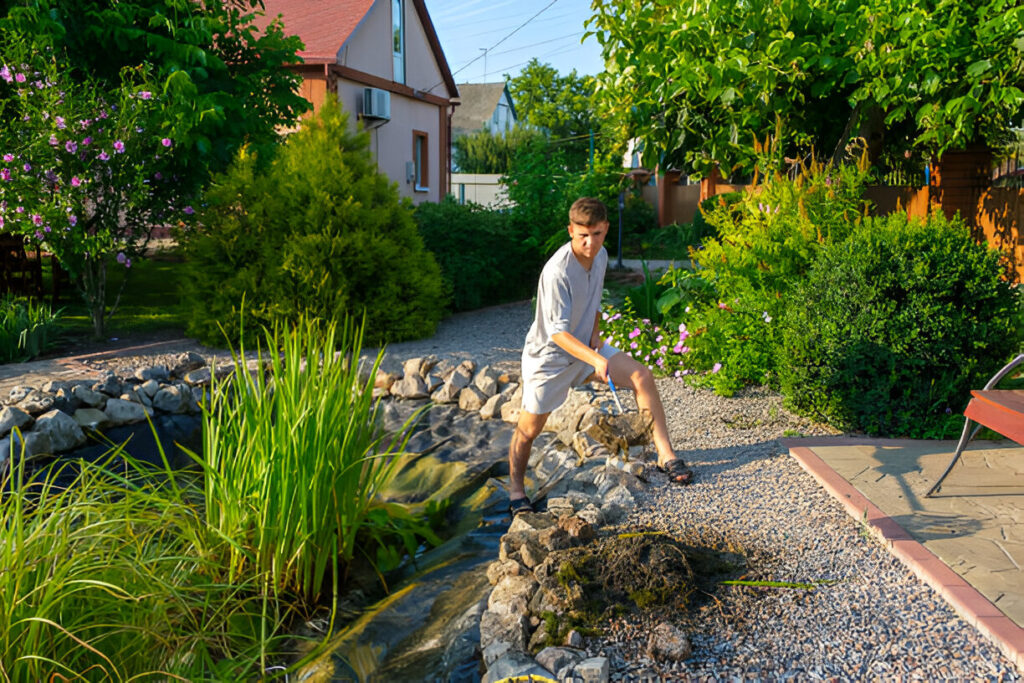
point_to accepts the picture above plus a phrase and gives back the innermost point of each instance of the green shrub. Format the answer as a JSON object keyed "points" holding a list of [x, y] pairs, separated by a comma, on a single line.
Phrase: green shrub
{"points": [[894, 326], [484, 259], [27, 328], [767, 240], [316, 231]]}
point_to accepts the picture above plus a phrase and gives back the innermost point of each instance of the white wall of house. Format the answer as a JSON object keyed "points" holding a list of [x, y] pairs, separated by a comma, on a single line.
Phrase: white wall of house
{"points": [[368, 49], [480, 188]]}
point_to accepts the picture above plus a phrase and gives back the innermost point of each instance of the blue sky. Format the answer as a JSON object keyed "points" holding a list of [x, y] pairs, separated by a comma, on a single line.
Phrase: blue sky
{"points": [[464, 27]]}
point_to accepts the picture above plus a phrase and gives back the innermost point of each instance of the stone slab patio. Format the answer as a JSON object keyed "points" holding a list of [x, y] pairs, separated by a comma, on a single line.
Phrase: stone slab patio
{"points": [[967, 541]]}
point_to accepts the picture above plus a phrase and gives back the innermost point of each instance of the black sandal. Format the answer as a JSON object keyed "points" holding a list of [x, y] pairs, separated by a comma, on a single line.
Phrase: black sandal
{"points": [[519, 505], [678, 472]]}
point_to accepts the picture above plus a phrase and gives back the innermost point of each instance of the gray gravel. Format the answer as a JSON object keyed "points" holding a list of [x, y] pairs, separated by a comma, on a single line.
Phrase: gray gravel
{"points": [[874, 620]]}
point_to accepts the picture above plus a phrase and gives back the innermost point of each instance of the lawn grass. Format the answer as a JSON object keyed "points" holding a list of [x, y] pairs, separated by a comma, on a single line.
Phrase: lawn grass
{"points": [[149, 304]]}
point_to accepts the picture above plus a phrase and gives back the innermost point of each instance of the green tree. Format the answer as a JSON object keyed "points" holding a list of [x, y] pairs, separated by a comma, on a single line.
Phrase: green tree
{"points": [[487, 152], [315, 232], [560, 106], [210, 52], [698, 81]]}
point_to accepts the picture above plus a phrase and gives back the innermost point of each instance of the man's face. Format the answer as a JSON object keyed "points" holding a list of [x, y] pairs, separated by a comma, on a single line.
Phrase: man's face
{"points": [[588, 240]]}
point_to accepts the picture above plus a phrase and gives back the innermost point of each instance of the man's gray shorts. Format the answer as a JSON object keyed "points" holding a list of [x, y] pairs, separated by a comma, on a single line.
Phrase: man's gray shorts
{"points": [[543, 391]]}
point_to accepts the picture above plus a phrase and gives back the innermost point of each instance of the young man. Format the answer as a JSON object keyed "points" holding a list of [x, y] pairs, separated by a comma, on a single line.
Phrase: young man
{"points": [[564, 349]]}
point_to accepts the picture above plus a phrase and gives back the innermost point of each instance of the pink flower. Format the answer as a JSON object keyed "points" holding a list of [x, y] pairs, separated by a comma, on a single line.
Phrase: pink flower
{"points": [[103, 156], [5, 73], [73, 220], [27, 167], [683, 335], [658, 338], [189, 210], [8, 157], [75, 181], [145, 95], [86, 142], [60, 122], [37, 219], [71, 146], [635, 333], [721, 304], [118, 146], [633, 345], [166, 142], [53, 140], [20, 78], [5, 174], [716, 367]]}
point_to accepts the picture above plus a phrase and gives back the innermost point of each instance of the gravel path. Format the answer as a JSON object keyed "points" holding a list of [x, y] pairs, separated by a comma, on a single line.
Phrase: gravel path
{"points": [[873, 620]]}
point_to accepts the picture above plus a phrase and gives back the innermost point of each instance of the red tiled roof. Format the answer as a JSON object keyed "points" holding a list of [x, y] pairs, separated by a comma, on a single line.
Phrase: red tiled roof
{"points": [[323, 25]]}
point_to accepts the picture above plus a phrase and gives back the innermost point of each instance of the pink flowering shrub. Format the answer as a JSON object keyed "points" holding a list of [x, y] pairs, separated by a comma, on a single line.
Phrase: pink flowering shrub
{"points": [[85, 173]]}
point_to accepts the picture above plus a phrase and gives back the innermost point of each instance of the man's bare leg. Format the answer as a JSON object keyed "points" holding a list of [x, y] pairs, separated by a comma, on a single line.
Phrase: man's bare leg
{"points": [[528, 428], [627, 372]]}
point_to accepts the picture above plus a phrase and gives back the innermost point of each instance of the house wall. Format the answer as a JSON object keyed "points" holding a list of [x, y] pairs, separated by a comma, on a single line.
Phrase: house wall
{"points": [[480, 188], [391, 142], [421, 70], [368, 49]]}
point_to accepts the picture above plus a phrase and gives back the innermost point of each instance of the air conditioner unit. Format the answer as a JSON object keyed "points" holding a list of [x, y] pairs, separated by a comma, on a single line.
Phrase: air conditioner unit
{"points": [[376, 104]]}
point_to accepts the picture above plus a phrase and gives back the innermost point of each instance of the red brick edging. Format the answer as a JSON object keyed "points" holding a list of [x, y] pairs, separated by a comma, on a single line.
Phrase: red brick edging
{"points": [[971, 605]]}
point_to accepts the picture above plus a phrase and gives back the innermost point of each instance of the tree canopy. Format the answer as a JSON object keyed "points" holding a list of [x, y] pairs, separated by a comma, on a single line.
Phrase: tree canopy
{"points": [[560, 106], [209, 52], [699, 81]]}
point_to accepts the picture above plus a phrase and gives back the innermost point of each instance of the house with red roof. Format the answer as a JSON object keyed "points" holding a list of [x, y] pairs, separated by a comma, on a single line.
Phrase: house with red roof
{"points": [[383, 61]]}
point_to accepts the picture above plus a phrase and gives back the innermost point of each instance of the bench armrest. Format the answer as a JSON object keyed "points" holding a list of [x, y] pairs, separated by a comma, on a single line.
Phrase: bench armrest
{"points": [[1004, 372]]}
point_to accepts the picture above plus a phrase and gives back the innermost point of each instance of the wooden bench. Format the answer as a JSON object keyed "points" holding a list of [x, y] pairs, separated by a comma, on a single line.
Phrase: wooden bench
{"points": [[1001, 410]]}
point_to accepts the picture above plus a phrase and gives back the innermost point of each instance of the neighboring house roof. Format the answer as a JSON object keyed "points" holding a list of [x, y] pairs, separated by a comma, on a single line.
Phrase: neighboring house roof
{"points": [[479, 100], [325, 25]]}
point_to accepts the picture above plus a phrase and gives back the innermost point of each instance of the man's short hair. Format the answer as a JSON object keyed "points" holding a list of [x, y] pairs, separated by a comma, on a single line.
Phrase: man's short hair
{"points": [[588, 211]]}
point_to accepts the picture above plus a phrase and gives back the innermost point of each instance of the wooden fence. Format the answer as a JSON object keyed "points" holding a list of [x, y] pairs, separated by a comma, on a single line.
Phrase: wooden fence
{"points": [[960, 183]]}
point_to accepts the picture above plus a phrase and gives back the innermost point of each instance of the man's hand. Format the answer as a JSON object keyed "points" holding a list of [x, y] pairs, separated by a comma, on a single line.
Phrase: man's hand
{"points": [[601, 367]]}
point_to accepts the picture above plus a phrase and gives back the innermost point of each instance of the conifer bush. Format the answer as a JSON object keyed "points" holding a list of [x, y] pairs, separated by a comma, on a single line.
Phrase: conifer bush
{"points": [[894, 326], [316, 231]]}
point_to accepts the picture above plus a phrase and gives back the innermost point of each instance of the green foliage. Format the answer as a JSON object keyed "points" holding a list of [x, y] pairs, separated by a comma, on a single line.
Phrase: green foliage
{"points": [[293, 474], [484, 257], [112, 577], [560, 106], [208, 54], [695, 80], [767, 240], [317, 232], [27, 328], [894, 327], [487, 152]]}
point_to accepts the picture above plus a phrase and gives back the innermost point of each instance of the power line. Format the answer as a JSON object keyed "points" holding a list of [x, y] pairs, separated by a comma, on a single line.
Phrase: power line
{"points": [[543, 42], [514, 31]]}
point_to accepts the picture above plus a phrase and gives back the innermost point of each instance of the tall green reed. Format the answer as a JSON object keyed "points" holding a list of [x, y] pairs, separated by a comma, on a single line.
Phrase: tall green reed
{"points": [[296, 458], [27, 328], [115, 578]]}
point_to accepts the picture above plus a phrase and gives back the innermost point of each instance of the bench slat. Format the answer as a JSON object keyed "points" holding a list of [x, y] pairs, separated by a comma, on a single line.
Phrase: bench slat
{"points": [[1001, 410]]}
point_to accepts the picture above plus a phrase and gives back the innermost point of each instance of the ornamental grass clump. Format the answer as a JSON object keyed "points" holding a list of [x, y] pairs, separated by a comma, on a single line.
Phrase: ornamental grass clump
{"points": [[112, 577], [295, 459], [27, 328]]}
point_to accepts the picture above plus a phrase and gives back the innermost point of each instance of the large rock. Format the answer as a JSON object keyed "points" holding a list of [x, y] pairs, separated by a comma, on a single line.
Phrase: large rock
{"points": [[411, 386], [172, 399], [90, 398], [668, 641], [91, 418], [109, 385], [515, 665], [508, 628], [419, 366], [126, 412], [471, 399], [35, 402], [593, 670], [11, 417], [512, 595], [486, 381], [19, 392], [62, 430], [557, 658], [150, 387], [567, 416], [34, 443], [510, 409], [186, 362], [157, 372]]}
